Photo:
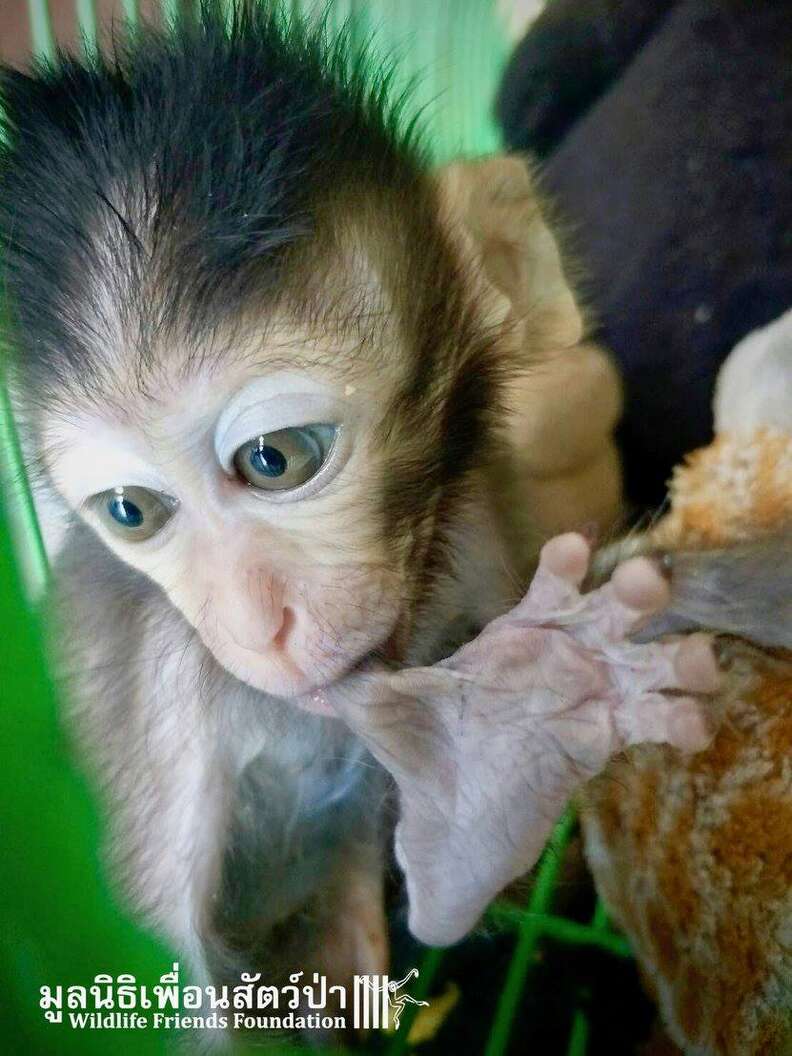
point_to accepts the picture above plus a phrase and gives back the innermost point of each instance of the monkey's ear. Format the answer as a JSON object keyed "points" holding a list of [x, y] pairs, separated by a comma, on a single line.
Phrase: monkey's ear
{"points": [[492, 208]]}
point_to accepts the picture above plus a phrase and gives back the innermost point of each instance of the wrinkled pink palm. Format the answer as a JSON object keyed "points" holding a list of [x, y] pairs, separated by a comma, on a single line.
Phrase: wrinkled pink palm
{"points": [[488, 746]]}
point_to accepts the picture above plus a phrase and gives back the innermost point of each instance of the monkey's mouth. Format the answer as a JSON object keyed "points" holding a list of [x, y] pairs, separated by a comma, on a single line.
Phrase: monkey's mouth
{"points": [[390, 651], [387, 654]]}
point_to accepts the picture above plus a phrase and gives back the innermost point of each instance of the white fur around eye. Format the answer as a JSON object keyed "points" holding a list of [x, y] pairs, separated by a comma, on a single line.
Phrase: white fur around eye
{"points": [[94, 459], [278, 402]]}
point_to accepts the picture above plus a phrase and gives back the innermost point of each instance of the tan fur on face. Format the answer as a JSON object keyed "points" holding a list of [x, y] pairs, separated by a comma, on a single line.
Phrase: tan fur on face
{"points": [[230, 555]]}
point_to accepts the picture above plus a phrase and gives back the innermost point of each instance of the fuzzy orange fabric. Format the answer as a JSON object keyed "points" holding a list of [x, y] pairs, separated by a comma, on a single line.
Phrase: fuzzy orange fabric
{"points": [[693, 855]]}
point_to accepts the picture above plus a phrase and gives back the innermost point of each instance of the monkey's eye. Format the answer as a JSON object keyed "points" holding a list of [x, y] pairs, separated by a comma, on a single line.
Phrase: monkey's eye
{"points": [[134, 513], [284, 459]]}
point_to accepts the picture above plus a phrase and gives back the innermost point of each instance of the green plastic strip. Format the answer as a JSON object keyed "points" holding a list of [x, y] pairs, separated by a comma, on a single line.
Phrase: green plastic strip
{"points": [[131, 12], [23, 525], [578, 1038], [528, 935], [449, 55], [86, 21], [579, 1035], [171, 11], [600, 919], [41, 35], [560, 929]]}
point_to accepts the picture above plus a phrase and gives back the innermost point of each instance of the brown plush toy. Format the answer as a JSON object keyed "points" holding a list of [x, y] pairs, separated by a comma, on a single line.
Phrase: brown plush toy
{"points": [[693, 855]]}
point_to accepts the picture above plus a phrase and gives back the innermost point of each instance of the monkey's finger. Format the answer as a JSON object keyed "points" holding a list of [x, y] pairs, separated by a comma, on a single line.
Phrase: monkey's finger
{"points": [[637, 590], [563, 564], [656, 718], [566, 557], [686, 664]]}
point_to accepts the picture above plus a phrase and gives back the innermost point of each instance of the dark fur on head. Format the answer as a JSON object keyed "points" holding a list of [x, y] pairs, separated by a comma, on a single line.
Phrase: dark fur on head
{"points": [[162, 197], [194, 161]]}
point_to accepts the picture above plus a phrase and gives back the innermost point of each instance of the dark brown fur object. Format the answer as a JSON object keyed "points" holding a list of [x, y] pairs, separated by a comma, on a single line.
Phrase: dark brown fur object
{"points": [[666, 134]]}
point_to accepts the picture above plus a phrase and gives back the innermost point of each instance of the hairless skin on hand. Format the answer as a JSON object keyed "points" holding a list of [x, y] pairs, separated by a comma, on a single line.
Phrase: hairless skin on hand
{"points": [[488, 746]]}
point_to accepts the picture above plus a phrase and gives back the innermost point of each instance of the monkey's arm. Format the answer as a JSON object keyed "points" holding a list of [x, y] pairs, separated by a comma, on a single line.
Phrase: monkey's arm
{"points": [[488, 746]]}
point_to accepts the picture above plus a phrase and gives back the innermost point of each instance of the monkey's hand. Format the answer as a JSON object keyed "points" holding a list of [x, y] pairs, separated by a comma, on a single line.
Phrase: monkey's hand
{"points": [[488, 746]]}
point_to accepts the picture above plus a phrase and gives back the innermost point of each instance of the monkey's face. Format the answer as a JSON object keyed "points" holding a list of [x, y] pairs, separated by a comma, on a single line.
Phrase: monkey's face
{"points": [[288, 472], [295, 494], [254, 498]]}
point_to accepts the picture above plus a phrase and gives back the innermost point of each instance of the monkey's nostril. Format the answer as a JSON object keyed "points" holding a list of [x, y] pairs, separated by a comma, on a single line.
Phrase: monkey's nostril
{"points": [[281, 638]]}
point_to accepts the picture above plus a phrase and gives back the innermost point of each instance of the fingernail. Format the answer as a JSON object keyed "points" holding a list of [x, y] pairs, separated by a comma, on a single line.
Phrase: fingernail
{"points": [[590, 532], [724, 653]]}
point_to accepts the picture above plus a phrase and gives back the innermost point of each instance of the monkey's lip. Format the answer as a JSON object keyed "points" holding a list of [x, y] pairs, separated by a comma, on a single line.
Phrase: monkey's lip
{"points": [[387, 651], [320, 699]]}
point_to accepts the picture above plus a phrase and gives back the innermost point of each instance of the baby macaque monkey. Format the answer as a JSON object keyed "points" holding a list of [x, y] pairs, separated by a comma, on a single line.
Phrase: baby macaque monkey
{"points": [[296, 394]]}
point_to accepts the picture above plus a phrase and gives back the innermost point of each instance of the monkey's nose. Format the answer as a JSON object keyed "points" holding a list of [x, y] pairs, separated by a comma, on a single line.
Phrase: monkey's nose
{"points": [[262, 633], [282, 635], [271, 635]]}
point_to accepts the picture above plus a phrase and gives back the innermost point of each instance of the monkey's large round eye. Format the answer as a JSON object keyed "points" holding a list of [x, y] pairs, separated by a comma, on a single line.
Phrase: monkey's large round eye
{"points": [[285, 459], [134, 513]]}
